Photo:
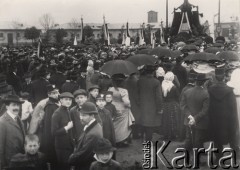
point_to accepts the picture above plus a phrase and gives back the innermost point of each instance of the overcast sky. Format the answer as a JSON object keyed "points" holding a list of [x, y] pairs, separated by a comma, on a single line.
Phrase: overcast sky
{"points": [[116, 11]]}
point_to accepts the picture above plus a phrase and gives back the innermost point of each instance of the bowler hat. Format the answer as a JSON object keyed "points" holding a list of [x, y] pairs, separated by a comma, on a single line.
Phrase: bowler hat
{"points": [[219, 71], [89, 108], [12, 98], [103, 146], [93, 87], [201, 77], [66, 95], [80, 92]]}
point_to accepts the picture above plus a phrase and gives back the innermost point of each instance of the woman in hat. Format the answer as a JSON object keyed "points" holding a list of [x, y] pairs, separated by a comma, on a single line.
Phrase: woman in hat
{"points": [[170, 106], [124, 118]]}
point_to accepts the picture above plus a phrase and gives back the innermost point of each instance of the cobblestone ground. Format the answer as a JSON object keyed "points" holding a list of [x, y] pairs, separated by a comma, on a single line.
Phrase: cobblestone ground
{"points": [[131, 156]]}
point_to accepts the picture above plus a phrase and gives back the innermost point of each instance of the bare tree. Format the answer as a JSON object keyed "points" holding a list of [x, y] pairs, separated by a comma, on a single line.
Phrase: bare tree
{"points": [[74, 23], [47, 22], [16, 26]]}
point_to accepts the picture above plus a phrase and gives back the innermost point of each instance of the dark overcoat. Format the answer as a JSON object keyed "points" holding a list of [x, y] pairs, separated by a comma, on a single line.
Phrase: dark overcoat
{"points": [[105, 119], [47, 140], [195, 102], [38, 90], [58, 79], [150, 101], [77, 125], [131, 85], [11, 138], [82, 156], [223, 114], [63, 140], [70, 86]]}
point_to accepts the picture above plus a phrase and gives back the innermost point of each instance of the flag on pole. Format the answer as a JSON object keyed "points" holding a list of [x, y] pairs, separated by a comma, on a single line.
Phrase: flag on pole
{"points": [[153, 39], [141, 36], [75, 41], [39, 51], [161, 34], [81, 35], [128, 38], [105, 32], [123, 38]]}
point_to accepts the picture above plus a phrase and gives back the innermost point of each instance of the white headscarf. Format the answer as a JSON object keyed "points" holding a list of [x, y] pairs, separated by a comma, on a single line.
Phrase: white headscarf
{"points": [[167, 83], [234, 81], [160, 72]]}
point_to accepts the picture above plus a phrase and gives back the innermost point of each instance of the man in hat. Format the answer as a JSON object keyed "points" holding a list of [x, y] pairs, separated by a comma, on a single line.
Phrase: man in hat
{"points": [[5, 89], [82, 156], [14, 80], [11, 131], [61, 129], [149, 101], [58, 78], [223, 114], [71, 84], [47, 140], [93, 93], [39, 87], [195, 104], [80, 98]]}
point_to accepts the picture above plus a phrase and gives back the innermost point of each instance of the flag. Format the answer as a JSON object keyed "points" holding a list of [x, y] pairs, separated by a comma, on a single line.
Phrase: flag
{"points": [[39, 51], [153, 39], [105, 32], [141, 36], [81, 35], [128, 38], [123, 38], [75, 41], [162, 34]]}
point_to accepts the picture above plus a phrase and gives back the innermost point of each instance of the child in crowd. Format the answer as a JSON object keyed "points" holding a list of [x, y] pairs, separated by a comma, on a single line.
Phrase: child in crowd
{"points": [[32, 159], [105, 119], [93, 93], [109, 106], [103, 155], [27, 110]]}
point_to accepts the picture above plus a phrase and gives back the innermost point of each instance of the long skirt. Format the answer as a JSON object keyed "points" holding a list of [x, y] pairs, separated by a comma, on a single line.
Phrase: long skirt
{"points": [[170, 120], [122, 124]]}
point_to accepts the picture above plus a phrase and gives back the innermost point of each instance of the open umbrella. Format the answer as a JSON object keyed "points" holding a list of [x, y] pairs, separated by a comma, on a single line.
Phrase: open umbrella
{"points": [[202, 56], [176, 53], [161, 52], [229, 56], [190, 47], [142, 59], [118, 67], [144, 51], [213, 50]]}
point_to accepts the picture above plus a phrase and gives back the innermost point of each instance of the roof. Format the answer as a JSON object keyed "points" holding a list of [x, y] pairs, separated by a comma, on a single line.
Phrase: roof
{"points": [[7, 25], [111, 26], [94, 26]]}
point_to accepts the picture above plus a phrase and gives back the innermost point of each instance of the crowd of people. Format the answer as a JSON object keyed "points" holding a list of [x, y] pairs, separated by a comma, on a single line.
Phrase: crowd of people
{"points": [[59, 111]]}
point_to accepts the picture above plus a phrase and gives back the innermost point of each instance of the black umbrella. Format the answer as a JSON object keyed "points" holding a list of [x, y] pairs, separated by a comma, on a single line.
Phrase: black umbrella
{"points": [[202, 56], [213, 50], [190, 47], [118, 67], [229, 56], [161, 52], [142, 59]]}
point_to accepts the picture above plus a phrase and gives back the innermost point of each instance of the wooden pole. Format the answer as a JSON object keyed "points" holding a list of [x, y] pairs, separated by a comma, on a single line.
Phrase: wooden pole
{"points": [[166, 14]]}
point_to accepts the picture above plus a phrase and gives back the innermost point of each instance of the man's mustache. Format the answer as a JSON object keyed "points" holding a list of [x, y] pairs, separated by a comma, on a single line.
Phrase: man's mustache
{"points": [[15, 110]]}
